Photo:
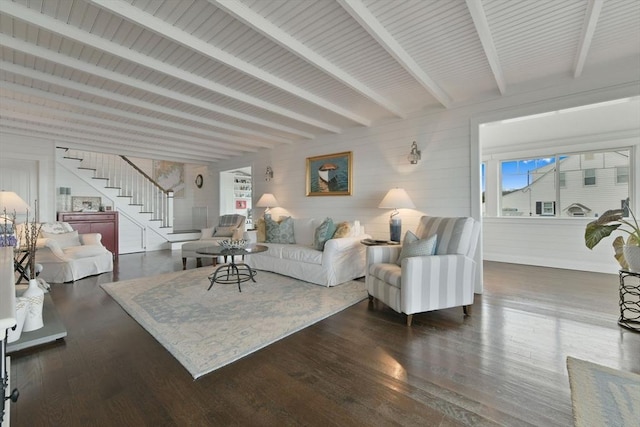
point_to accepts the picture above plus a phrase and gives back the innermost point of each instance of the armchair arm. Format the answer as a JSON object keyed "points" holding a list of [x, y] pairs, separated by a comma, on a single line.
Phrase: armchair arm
{"points": [[436, 282], [52, 245], [91, 239], [382, 254], [238, 233], [251, 236], [343, 257]]}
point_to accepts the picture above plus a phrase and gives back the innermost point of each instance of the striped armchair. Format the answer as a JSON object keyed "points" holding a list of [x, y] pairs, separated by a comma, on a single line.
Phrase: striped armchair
{"points": [[425, 283]]}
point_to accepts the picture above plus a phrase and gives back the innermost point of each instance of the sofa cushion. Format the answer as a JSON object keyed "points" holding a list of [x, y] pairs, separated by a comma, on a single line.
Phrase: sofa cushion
{"points": [[279, 232], [224, 231], [64, 240], [412, 246], [304, 229], [301, 253], [86, 251], [343, 229], [323, 233]]}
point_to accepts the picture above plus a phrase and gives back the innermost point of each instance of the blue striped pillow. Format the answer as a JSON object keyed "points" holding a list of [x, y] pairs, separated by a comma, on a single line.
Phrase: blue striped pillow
{"points": [[412, 246]]}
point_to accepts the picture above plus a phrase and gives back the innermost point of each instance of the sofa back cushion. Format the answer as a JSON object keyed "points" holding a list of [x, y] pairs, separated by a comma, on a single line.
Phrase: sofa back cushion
{"points": [[454, 234], [64, 240], [304, 230]]}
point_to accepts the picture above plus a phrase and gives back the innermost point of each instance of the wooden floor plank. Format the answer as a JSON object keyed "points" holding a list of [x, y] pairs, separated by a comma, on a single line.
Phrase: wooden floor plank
{"points": [[503, 365]]}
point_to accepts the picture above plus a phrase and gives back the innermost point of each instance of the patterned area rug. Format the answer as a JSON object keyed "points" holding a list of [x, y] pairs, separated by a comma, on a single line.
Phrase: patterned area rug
{"points": [[206, 330], [603, 396]]}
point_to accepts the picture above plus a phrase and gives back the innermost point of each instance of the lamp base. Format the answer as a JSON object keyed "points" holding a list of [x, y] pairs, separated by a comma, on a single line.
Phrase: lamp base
{"points": [[395, 229]]}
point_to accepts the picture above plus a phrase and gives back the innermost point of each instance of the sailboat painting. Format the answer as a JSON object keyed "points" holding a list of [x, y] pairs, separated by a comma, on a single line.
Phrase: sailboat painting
{"points": [[329, 175]]}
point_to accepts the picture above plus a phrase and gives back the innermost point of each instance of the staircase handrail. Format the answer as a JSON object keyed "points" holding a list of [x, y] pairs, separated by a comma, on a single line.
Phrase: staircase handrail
{"points": [[143, 173]]}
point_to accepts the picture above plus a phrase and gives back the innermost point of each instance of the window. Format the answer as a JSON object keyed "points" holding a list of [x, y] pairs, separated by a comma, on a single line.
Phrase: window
{"points": [[563, 179], [565, 185], [622, 174], [589, 176], [546, 208]]}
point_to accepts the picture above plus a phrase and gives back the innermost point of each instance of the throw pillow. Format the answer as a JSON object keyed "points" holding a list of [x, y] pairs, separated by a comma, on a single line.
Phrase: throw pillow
{"points": [[64, 240], [224, 231], [279, 232], [343, 229], [412, 246], [323, 233]]}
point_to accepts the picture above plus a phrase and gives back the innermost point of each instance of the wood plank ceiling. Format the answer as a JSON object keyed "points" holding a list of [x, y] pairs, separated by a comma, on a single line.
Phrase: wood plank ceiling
{"points": [[201, 81]]}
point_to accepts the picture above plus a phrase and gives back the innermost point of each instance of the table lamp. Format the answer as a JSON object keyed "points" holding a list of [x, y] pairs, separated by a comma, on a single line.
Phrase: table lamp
{"points": [[267, 200], [396, 198]]}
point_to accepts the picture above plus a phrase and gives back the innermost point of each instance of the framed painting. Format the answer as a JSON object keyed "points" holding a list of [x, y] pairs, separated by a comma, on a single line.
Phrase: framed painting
{"points": [[85, 204], [330, 175]]}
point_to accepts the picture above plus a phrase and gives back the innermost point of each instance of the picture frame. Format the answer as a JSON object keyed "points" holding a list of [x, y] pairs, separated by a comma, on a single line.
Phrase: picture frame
{"points": [[241, 204], [330, 175], [85, 204]]}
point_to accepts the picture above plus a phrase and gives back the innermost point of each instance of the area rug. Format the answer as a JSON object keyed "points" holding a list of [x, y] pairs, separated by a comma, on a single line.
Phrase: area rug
{"points": [[206, 330], [603, 396]]}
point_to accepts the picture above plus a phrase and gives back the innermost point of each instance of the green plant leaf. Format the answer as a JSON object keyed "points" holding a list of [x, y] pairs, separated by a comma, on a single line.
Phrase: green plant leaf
{"points": [[618, 243], [596, 232]]}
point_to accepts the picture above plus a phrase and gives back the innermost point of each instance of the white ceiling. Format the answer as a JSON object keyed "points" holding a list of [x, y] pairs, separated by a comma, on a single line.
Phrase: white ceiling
{"points": [[199, 81]]}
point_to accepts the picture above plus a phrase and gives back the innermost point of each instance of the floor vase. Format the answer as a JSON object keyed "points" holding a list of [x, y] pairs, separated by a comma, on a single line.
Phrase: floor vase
{"points": [[34, 295], [632, 255]]}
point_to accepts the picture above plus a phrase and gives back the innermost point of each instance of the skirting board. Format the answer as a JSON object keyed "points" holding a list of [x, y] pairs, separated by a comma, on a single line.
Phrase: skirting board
{"points": [[52, 330]]}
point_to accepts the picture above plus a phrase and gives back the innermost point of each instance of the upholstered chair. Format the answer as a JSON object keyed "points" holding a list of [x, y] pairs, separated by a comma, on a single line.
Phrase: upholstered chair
{"points": [[434, 271], [230, 226]]}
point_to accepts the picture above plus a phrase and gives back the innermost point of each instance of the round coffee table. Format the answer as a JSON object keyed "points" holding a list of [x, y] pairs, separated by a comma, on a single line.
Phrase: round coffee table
{"points": [[233, 272]]}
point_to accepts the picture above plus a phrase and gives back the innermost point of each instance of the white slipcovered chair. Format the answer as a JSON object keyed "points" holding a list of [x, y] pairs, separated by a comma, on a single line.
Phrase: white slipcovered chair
{"points": [[427, 282], [67, 256]]}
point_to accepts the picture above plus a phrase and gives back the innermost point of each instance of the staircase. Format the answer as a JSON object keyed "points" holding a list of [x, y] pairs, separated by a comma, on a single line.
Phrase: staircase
{"points": [[142, 203]]}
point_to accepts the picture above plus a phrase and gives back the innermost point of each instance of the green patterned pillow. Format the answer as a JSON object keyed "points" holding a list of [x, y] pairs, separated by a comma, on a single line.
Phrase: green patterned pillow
{"points": [[412, 246], [279, 232], [323, 233]]}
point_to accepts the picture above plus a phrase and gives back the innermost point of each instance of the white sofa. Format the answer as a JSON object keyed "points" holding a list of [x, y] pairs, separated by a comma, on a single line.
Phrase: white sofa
{"points": [[342, 259], [67, 256]]}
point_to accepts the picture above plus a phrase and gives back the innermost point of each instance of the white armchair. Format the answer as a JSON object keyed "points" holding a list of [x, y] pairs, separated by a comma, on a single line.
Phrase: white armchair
{"points": [[67, 256], [427, 282]]}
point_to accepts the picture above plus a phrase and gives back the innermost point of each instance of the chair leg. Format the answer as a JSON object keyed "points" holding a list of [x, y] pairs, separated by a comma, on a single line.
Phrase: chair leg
{"points": [[409, 319], [198, 262], [466, 310], [184, 263], [370, 296]]}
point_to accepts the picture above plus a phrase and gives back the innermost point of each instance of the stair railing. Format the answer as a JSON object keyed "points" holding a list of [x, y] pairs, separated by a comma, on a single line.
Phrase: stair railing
{"points": [[131, 181]]}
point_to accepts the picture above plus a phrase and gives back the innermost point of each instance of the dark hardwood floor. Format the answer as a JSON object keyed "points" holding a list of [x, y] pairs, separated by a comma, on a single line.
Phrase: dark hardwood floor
{"points": [[503, 365]]}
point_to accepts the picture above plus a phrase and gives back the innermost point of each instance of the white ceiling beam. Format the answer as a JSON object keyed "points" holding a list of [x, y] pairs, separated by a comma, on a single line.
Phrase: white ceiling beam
{"points": [[484, 33], [168, 31], [368, 21], [37, 19], [157, 135], [274, 33], [17, 128], [101, 93], [127, 115], [588, 29], [52, 128], [94, 70]]}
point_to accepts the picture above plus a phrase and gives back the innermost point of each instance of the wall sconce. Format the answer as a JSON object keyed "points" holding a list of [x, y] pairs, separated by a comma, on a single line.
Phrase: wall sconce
{"points": [[414, 155], [268, 175]]}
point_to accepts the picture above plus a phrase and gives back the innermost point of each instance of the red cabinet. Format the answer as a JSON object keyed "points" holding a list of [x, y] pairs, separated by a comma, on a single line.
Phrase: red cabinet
{"points": [[105, 223]]}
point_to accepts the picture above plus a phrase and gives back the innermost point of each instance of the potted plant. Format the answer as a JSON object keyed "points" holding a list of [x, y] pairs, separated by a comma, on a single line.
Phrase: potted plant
{"points": [[627, 253]]}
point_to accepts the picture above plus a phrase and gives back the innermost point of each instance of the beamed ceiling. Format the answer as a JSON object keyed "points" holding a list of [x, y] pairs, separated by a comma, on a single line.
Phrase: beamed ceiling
{"points": [[201, 81]]}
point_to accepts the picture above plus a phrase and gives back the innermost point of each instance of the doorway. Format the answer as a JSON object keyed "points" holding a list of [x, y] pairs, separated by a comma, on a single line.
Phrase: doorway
{"points": [[236, 193]]}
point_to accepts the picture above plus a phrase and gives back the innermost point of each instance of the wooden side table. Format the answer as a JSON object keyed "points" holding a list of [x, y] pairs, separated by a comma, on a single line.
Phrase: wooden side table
{"points": [[630, 300]]}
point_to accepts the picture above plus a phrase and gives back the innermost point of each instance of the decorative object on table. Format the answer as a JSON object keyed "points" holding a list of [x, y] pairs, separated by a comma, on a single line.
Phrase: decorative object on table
{"points": [[86, 204], [396, 198], [415, 154], [34, 293], [190, 321], [330, 175], [603, 396], [627, 253], [233, 244], [268, 201]]}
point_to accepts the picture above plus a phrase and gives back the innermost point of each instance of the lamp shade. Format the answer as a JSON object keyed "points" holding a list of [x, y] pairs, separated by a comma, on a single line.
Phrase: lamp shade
{"points": [[11, 202], [397, 198], [267, 200]]}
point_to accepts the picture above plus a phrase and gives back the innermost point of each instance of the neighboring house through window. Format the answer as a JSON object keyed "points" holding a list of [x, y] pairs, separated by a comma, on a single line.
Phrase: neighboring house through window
{"points": [[589, 177]]}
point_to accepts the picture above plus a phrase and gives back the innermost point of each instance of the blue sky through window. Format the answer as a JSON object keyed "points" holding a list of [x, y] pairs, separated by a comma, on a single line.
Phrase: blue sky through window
{"points": [[515, 173]]}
